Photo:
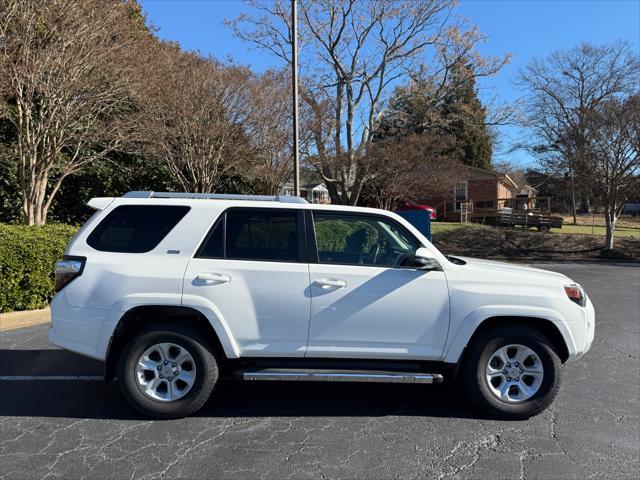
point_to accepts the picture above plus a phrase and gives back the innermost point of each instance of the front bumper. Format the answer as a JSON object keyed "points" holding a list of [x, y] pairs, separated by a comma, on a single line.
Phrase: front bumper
{"points": [[583, 331]]}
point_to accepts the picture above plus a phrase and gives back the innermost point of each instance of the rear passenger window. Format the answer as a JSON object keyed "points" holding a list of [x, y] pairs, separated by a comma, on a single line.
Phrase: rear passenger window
{"points": [[135, 228], [262, 235], [213, 246], [255, 234]]}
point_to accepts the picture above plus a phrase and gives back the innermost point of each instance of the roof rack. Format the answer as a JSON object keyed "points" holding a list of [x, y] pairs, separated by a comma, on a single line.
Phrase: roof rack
{"points": [[215, 196]]}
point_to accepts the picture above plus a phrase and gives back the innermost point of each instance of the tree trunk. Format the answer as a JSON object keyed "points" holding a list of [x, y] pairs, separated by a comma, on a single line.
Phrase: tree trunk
{"points": [[334, 196], [573, 200], [585, 202], [34, 206], [610, 218]]}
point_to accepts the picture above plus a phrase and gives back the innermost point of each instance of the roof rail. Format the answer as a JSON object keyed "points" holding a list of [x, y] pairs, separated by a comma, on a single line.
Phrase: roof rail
{"points": [[215, 196]]}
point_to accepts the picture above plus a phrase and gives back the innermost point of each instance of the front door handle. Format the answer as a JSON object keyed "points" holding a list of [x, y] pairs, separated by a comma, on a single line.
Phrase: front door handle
{"points": [[211, 278], [327, 283]]}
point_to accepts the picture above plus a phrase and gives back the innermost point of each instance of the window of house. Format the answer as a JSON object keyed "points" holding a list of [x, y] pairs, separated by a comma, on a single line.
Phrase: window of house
{"points": [[460, 191]]}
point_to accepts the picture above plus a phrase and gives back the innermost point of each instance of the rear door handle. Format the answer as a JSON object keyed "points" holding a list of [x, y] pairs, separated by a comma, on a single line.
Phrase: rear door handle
{"points": [[327, 283], [211, 278]]}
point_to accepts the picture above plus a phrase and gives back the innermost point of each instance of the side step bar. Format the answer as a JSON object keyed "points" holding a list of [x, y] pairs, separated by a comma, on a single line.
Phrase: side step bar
{"points": [[341, 376]]}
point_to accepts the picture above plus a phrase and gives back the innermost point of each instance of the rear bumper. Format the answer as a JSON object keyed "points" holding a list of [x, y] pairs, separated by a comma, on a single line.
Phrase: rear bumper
{"points": [[76, 347], [76, 329]]}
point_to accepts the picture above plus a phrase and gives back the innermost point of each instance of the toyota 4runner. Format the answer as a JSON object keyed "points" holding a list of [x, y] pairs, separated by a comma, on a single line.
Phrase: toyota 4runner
{"points": [[173, 291]]}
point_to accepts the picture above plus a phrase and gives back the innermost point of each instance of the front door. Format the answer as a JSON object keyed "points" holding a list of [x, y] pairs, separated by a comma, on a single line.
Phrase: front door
{"points": [[364, 302], [252, 271]]}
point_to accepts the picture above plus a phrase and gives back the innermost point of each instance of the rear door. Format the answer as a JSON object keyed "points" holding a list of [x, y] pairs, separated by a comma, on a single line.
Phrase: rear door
{"points": [[252, 270], [365, 303]]}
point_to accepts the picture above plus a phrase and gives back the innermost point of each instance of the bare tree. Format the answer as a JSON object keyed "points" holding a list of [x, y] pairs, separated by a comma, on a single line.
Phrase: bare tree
{"points": [[563, 90], [64, 78], [613, 146], [195, 115], [352, 52], [269, 125], [419, 164], [515, 171]]}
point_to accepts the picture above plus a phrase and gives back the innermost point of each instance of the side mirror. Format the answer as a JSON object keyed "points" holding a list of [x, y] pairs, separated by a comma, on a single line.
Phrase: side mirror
{"points": [[424, 260]]}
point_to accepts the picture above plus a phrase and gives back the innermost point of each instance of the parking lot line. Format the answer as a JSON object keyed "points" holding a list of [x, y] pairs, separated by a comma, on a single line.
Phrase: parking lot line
{"points": [[31, 378]]}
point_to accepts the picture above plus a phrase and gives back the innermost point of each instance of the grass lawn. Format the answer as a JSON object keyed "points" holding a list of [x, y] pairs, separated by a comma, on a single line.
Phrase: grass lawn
{"points": [[621, 232], [440, 227], [589, 224], [626, 227]]}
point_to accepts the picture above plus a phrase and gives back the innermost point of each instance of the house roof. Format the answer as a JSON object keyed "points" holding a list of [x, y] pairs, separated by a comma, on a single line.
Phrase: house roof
{"points": [[498, 175], [307, 186]]}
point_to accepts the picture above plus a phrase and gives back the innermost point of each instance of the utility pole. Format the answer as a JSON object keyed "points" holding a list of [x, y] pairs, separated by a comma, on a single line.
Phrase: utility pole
{"points": [[294, 77]]}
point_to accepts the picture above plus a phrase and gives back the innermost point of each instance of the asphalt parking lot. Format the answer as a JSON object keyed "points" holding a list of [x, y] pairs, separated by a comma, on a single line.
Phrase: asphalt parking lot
{"points": [[83, 428]]}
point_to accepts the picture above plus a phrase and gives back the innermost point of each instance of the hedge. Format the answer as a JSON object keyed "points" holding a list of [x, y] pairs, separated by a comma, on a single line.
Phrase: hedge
{"points": [[27, 259]]}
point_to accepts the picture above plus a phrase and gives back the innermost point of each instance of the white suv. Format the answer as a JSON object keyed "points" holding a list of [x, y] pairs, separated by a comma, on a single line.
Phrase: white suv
{"points": [[175, 290]]}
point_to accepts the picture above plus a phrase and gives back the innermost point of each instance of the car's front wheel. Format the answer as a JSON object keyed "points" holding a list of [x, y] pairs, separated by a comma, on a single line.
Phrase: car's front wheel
{"points": [[513, 372], [167, 371]]}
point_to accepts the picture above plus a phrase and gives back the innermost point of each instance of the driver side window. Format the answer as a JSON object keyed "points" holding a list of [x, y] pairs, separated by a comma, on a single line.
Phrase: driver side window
{"points": [[362, 240]]}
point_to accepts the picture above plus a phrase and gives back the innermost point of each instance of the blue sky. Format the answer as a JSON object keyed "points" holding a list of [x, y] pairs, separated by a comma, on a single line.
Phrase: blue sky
{"points": [[523, 27]]}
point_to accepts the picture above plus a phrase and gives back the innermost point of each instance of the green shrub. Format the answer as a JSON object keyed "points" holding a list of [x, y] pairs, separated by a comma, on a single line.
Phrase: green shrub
{"points": [[27, 259], [332, 234]]}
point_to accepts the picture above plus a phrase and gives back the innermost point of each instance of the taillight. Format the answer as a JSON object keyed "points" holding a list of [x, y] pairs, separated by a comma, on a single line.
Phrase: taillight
{"points": [[67, 269], [576, 294]]}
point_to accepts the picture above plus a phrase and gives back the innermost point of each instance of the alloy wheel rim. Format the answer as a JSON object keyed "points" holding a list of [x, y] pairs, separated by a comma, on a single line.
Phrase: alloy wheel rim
{"points": [[165, 372], [514, 373]]}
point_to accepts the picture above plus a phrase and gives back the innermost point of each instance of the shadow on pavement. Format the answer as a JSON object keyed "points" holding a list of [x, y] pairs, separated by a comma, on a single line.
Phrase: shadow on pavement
{"points": [[47, 362], [99, 400]]}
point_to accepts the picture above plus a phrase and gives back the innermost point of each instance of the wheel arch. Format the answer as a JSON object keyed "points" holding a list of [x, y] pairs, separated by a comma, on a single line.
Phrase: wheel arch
{"points": [[136, 318], [544, 325]]}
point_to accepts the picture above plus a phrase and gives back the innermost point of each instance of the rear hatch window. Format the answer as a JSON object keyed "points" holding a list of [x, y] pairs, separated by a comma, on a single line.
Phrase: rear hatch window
{"points": [[135, 228]]}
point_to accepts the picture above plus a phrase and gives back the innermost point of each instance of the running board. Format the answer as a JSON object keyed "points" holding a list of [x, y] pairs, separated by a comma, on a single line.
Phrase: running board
{"points": [[340, 376]]}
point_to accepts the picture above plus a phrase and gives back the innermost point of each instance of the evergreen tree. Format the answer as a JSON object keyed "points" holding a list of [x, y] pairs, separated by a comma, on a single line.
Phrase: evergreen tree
{"points": [[457, 113], [465, 120]]}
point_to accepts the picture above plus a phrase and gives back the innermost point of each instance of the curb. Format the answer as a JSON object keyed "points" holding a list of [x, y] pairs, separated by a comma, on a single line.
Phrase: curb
{"points": [[595, 261], [28, 318]]}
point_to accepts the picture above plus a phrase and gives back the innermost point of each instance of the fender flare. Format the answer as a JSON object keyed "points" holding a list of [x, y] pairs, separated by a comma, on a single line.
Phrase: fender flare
{"points": [[217, 321], [128, 303], [468, 326]]}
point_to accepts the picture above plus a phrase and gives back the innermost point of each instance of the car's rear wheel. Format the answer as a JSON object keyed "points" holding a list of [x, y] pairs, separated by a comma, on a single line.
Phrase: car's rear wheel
{"points": [[167, 371], [513, 372]]}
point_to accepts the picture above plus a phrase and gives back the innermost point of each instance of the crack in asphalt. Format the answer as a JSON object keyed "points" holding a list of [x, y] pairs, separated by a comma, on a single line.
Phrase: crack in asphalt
{"points": [[592, 430]]}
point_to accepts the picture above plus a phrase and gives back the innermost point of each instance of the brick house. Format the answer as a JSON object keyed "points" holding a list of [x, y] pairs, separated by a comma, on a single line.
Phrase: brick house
{"points": [[483, 188]]}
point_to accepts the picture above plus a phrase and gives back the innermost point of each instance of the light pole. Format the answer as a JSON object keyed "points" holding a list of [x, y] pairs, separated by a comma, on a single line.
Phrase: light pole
{"points": [[294, 78]]}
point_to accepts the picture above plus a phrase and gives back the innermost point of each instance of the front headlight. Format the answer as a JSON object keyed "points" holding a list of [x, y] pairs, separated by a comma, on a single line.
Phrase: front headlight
{"points": [[576, 294]]}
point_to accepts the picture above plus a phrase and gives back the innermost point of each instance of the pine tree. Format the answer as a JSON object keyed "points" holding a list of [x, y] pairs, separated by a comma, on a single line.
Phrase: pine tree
{"points": [[459, 114], [465, 120]]}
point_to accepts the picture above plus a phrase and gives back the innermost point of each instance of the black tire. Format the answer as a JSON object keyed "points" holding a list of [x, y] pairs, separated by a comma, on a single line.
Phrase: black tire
{"points": [[544, 228], [479, 354], [197, 346]]}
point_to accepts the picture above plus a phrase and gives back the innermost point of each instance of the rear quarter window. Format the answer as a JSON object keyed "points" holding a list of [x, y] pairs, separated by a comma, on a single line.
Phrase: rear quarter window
{"points": [[135, 228]]}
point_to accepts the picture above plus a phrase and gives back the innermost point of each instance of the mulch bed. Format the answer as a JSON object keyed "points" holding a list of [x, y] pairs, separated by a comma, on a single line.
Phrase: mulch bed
{"points": [[504, 243]]}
